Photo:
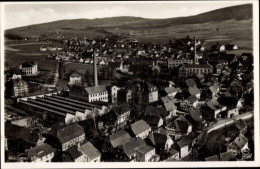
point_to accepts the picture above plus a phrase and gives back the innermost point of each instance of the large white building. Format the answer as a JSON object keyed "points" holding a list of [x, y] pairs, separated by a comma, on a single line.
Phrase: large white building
{"points": [[195, 69], [176, 62], [90, 94], [75, 78], [29, 69]]}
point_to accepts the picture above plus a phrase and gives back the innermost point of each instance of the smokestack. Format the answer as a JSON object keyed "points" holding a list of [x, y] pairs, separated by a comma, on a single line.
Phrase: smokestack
{"points": [[195, 57], [95, 70]]}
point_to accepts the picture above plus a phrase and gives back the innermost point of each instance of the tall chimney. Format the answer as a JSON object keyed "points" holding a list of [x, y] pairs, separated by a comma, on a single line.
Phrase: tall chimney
{"points": [[95, 70], [195, 56]]}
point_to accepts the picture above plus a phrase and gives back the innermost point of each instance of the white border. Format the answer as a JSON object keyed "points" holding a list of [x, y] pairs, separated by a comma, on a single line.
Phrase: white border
{"points": [[136, 164]]}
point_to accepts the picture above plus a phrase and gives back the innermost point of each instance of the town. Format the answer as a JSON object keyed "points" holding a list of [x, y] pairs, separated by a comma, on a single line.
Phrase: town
{"points": [[112, 98]]}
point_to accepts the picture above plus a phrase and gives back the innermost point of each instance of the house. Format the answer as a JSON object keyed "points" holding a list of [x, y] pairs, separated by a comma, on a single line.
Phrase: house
{"points": [[43, 49], [20, 88], [161, 111], [231, 46], [72, 154], [171, 91], [160, 141], [241, 125], [174, 154], [119, 138], [170, 107], [131, 146], [227, 156], [155, 121], [26, 137], [190, 102], [124, 95], [232, 113], [212, 109], [123, 113], [219, 68], [218, 47], [75, 78], [29, 69], [183, 147], [194, 91], [146, 154], [27, 122], [113, 93], [141, 129], [65, 136], [239, 145], [41, 153], [90, 94], [16, 73], [182, 125], [190, 83], [212, 91], [212, 158], [150, 93], [196, 115], [90, 152]]}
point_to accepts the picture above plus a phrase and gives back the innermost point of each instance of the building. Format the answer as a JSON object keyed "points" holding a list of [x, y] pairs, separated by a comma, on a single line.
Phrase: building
{"points": [[165, 113], [29, 69], [123, 113], [239, 145], [231, 46], [174, 154], [195, 69], [41, 153], [141, 129], [169, 105], [172, 63], [75, 78], [66, 136], [90, 152], [146, 154], [161, 141], [113, 93], [182, 125], [20, 88], [150, 93], [124, 95], [27, 138], [72, 154], [131, 146], [194, 91], [183, 146], [90, 94], [119, 138], [171, 91], [212, 109], [155, 121]]}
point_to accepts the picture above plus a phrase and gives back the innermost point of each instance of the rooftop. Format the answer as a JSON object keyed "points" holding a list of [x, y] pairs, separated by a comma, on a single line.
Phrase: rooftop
{"points": [[139, 127], [145, 149], [89, 150], [119, 138], [96, 89]]}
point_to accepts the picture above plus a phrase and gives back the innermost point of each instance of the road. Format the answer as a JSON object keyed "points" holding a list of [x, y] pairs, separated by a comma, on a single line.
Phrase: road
{"points": [[224, 122]]}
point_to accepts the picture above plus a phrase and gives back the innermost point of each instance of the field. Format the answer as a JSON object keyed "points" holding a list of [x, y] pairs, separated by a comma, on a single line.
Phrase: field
{"points": [[18, 52]]}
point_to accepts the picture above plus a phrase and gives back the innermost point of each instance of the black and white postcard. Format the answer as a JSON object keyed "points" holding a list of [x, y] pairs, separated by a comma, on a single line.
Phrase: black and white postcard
{"points": [[101, 84]]}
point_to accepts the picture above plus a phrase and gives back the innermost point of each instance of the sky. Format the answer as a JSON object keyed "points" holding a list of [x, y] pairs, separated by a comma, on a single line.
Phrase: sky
{"points": [[22, 14]]}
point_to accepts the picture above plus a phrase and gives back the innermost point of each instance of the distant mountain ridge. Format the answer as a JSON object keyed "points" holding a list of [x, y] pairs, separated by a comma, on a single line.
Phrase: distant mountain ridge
{"points": [[240, 12]]}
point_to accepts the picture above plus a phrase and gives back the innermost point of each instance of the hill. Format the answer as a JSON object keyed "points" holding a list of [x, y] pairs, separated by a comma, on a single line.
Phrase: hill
{"points": [[245, 13], [204, 25]]}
